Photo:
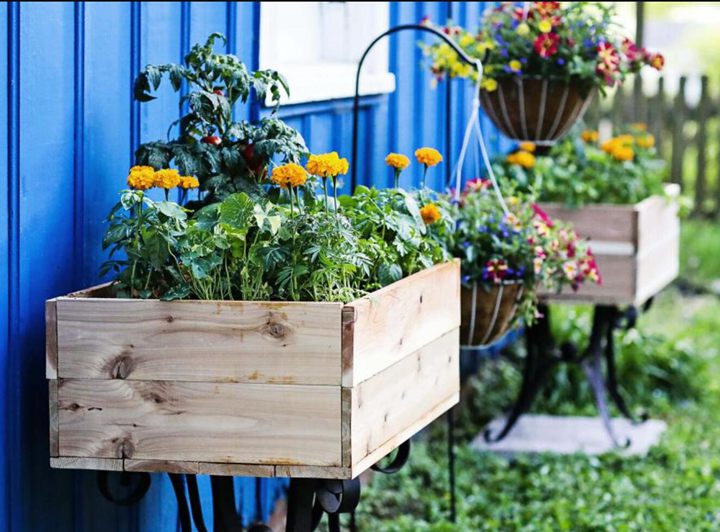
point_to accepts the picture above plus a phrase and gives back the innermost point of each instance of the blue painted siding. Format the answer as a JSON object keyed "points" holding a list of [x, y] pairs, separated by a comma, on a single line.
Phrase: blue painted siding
{"points": [[71, 130]]}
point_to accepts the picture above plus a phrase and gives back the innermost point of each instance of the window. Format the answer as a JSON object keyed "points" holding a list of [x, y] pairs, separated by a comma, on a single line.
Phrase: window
{"points": [[316, 46]]}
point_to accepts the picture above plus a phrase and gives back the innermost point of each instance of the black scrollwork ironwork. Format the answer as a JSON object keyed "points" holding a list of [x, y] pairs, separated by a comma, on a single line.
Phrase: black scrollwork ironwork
{"points": [[543, 355], [136, 485]]}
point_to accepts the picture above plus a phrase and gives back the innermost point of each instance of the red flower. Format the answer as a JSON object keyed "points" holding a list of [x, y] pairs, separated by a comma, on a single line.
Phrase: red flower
{"points": [[495, 270], [607, 54], [630, 50], [477, 184], [545, 217], [547, 44]]}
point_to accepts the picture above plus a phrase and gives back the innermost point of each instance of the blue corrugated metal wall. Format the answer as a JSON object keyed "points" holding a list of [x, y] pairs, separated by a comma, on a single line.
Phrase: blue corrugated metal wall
{"points": [[71, 130]]}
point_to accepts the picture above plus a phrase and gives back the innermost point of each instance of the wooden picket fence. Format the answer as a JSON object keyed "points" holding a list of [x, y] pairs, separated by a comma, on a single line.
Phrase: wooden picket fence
{"points": [[687, 134]]}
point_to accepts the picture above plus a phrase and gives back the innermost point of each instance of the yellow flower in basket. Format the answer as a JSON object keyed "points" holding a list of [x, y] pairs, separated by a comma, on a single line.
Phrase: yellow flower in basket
{"points": [[522, 158]]}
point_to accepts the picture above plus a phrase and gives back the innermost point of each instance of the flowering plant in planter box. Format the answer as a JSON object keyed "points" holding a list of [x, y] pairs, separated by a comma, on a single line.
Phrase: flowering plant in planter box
{"points": [[542, 63], [583, 169]]}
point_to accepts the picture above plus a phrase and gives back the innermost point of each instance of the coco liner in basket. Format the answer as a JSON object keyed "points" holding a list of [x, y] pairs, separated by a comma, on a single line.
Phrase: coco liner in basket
{"points": [[540, 110], [488, 313]]}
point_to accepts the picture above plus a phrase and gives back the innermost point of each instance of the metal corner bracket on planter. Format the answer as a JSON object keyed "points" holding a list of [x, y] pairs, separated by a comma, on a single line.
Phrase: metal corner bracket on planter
{"points": [[536, 109], [250, 388]]}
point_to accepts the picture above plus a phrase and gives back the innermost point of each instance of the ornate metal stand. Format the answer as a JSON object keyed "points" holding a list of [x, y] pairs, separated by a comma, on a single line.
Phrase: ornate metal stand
{"points": [[543, 355], [308, 498]]}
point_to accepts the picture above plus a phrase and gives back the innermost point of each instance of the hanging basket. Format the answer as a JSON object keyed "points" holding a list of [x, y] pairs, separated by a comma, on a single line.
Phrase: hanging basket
{"points": [[535, 109], [488, 314]]}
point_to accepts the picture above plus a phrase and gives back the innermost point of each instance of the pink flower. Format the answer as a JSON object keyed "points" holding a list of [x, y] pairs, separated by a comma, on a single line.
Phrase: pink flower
{"points": [[540, 213]]}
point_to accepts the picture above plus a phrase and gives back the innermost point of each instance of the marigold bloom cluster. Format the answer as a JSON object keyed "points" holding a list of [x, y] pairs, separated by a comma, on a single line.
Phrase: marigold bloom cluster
{"points": [[430, 213], [289, 175], [590, 136], [522, 158], [397, 161], [620, 147], [146, 177], [428, 156], [327, 165]]}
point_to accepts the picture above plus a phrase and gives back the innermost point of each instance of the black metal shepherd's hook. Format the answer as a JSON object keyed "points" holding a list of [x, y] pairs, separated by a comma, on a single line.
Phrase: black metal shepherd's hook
{"points": [[356, 101]]}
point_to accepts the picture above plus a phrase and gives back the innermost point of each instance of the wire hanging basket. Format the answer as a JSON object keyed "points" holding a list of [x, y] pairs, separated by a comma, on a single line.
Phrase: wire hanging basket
{"points": [[536, 109], [487, 314]]}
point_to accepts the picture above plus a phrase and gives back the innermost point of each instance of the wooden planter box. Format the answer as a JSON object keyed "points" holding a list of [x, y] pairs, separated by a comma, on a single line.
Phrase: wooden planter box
{"points": [[636, 248], [250, 388]]}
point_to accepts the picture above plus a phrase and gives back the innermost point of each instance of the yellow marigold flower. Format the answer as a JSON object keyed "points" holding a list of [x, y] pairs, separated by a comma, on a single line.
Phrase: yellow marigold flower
{"points": [[625, 140], [188, 181], [430, 213], [522, 158], [623, 153], [639, 126], [608, 146], [327, 165], [645, 141], [488, 84], [522, 29], [590, 136], [397, 161], [289, 175], [513, 201], [484, 46], [545, 26], [428, 156], [528, 146], [167, 178], [141, 177]]}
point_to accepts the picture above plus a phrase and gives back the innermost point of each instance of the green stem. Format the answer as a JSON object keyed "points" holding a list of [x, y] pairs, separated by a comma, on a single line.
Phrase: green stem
{"points": [[397, 178], [422, 184], [324, 180]]}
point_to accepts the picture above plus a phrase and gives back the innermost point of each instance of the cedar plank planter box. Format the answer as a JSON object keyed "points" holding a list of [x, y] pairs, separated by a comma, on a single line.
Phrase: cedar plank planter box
{"points": [[636, 248], [304, 389]]}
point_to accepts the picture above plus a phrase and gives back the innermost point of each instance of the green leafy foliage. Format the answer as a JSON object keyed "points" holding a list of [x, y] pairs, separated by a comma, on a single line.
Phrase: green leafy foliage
{"points": [[578, 172], [225, 155]]}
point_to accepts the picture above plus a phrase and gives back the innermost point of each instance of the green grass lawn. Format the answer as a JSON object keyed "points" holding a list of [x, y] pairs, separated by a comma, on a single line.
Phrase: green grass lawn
{"points": [[670, 365]]}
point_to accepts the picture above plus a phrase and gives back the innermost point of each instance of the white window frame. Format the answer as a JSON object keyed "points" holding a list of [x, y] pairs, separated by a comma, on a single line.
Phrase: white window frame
{"points": [[316, 46]]}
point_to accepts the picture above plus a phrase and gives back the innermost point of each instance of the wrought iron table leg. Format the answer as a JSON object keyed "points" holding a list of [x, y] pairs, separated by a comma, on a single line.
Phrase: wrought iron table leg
{"points": [[538, 362], [593, 371], [225, 514], [612, 386], [178, 485]]}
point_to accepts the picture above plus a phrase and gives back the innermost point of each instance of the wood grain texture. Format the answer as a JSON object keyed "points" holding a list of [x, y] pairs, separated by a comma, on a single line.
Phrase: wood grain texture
{"points": [[263, 342], [630, 275], [408, 432], [51, 341], [313, 472], [53, 428], [397, 401], [99, 464], [192, 421], [403, 317], [161, 466], [607, 223], [235, 470]]}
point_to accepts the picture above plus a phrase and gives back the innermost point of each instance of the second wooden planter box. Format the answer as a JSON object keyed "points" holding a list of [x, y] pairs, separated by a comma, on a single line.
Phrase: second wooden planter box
{"points": [[250, 388], [636, 248]]}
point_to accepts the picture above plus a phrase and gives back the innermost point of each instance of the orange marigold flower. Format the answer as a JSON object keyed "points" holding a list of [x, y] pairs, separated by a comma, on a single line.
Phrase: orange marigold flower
{"points": [[430, 213], [327, 165], [645, 141], [289, 175], [527, 146], [639, 126], [167, 178], [623, 153], [428, 156], [590, 136], [141, 177], [397, 161], [522, 158], [188, 181]]}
